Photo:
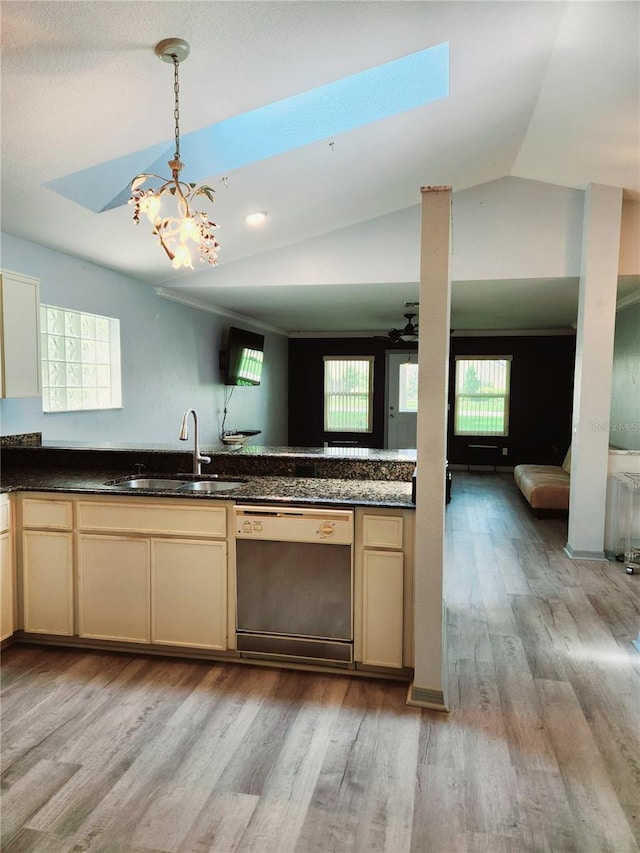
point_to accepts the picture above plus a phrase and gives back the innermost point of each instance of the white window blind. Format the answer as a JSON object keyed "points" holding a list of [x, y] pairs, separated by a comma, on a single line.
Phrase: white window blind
{"points": [[348, 394], [482, 395]]}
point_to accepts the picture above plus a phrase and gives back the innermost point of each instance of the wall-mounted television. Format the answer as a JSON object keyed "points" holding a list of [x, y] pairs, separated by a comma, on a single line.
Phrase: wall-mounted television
{"points": [[243, 359]]}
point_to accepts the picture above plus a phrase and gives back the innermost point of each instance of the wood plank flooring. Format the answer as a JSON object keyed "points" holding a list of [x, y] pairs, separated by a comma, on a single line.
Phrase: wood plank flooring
{"points": [[540, 752]]}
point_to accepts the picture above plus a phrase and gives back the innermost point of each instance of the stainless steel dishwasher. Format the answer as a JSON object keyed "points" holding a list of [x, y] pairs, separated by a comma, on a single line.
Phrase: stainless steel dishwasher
{"points": [[294, 576]]}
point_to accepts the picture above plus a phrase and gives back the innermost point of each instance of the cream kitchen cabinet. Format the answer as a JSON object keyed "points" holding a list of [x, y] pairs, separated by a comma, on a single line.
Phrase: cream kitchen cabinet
{"points": [[113, 588], [189, 593], [7, 571], [151, 572], [20, 335], [384, 588], [47, 565]]}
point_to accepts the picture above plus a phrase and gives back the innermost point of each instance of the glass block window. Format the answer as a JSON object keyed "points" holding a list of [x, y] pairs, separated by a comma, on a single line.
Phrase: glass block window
{"points": [[80, 355], [348, 394], [482, 395]]}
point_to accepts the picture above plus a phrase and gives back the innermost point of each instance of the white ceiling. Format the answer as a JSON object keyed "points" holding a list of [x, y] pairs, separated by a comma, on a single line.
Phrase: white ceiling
{"points": [[539, 90]]}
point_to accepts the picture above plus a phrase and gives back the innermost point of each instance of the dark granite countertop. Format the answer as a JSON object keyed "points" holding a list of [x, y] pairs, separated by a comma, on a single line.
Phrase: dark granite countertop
{"points": [[259, 489], [342, 463]]}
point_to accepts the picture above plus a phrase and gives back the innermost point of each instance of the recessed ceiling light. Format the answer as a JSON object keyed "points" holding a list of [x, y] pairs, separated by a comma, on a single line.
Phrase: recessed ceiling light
{"points": [[256, 218]]}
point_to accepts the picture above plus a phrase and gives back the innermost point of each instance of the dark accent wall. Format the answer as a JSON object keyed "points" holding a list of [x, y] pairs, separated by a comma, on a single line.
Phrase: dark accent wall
{"points": [[541, 401], [541, 396], [306, 389]]}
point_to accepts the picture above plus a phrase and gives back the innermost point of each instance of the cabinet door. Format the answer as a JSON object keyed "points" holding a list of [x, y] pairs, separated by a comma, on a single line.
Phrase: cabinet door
{"points": [[20, 325], [382, 608], [6, 586], [113, 588], [189, 593], [47, 571]]}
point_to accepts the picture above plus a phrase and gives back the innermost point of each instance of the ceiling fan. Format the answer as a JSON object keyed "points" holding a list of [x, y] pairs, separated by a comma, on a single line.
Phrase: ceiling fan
{"points": [[409, 334]]}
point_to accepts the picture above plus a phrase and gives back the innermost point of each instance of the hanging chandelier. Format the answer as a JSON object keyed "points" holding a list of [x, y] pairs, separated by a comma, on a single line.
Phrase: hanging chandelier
{"points": [[170, 208]]}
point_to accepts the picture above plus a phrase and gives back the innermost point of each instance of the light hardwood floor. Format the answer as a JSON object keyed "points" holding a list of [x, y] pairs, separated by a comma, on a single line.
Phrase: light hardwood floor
{"points": [[540, 752]]}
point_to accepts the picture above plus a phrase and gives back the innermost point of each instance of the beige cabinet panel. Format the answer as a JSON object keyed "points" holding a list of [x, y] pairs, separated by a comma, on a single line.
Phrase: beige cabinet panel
{"points": [[47, 576], [5, 514], [189, 593], [19, 335], [382, 531], [382, 608], [195, 518], [113, 588], [47, 513], [7, 571], [7, 587]]}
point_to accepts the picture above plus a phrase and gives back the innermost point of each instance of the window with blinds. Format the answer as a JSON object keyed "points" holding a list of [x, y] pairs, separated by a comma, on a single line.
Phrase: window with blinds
{"points": [[348, 394], [482, 395]]}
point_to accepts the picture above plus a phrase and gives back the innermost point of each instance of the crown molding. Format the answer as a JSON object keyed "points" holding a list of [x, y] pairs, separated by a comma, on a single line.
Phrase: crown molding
{"points": [[509, 333], [190, 302]]}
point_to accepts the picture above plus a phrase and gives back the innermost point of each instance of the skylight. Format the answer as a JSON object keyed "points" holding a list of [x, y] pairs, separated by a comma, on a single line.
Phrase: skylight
{"points": [[320, 113]]}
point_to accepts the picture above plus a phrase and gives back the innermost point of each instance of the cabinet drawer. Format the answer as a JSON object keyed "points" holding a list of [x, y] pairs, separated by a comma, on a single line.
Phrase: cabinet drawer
{"points": [[382, 531], [192, 518], [45, 514]]}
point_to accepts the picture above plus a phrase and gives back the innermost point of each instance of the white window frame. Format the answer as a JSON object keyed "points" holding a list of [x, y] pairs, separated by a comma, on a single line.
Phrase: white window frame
{"points": [[459, 396], [328, 395], [80, 361]]}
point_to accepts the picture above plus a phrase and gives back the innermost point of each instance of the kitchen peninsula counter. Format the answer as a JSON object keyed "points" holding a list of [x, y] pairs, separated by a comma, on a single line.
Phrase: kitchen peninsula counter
{"points": [[101, 565], [320, 475], [382, 493], [345, 463]]}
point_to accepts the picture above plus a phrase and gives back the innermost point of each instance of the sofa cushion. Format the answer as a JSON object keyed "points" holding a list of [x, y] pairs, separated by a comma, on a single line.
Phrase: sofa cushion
{"points": [[544, 486]]}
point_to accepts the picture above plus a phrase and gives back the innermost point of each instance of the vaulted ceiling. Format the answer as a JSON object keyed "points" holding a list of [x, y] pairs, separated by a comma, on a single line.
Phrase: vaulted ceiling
{"points": [[546, 91]]}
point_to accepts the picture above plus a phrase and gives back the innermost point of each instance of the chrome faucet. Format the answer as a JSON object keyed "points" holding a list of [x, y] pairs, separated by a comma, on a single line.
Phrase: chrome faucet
{"points": [[198, 458]]}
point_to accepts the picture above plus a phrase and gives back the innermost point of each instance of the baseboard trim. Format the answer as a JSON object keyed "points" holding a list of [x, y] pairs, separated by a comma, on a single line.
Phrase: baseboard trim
{"points": [[423, 697], [577, 554]]}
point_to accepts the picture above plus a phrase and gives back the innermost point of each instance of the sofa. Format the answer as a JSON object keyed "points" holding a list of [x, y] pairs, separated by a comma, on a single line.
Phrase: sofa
{"points": [[545, 487]]}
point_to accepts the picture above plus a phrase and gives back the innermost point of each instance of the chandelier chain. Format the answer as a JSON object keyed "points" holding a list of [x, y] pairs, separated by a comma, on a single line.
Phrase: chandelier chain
{"points": [[176, 108], [174, 209]]}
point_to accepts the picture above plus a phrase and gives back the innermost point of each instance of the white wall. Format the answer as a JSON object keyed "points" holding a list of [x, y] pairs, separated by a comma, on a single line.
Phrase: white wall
{"points": [[169, 361], [509, 228], [514, 228]]}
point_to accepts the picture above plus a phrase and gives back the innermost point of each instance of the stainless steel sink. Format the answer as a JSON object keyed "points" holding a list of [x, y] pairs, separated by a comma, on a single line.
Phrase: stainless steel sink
{"points": [[151, 483], [211, 486], [165, 484]]}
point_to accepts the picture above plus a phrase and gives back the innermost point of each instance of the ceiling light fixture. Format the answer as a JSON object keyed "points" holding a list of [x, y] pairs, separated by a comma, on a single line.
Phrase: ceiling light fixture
{"points": [[409, 334], [175, 227], [256, 218]]}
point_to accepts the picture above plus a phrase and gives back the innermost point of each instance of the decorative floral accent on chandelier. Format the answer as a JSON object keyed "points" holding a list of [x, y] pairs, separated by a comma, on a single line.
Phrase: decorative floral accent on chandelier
{"points": [[175, 230]]}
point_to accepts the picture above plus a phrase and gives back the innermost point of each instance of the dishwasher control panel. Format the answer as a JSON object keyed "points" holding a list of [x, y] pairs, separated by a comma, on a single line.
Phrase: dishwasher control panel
{"points": [[294, 524]]}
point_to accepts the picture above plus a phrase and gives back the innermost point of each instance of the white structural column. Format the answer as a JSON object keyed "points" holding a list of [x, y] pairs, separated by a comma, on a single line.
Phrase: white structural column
{"points": [[594, 362], [429, 687]]}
